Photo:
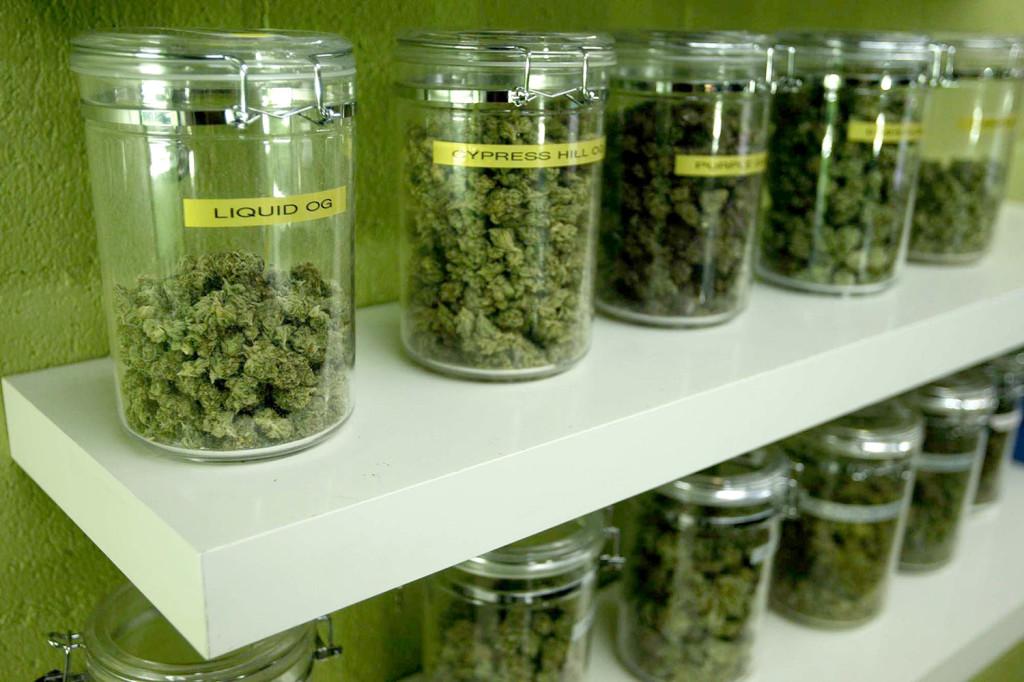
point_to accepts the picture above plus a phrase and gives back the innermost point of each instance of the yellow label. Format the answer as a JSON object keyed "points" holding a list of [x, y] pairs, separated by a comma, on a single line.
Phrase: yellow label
{"points": [[258, 211], [892, 132], [518, 155], [694, 165], [987, 122]]}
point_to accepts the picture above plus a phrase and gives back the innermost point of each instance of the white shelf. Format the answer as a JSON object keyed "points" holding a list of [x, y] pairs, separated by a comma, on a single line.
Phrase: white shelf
{"points": [[943, 626], [430, 470]]}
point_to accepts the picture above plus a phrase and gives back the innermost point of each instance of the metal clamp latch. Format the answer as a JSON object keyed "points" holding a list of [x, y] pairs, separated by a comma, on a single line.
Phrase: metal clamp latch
{"points": [[523, 94], [68, 642], [326, 647]]}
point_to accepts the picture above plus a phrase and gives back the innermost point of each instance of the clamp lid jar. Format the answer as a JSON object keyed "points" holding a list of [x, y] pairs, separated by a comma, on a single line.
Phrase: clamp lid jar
{"points": [[221, 168], [1007, 375], [843, 159], [687, 136], [503, 139], [696, 562], [128, 639]]}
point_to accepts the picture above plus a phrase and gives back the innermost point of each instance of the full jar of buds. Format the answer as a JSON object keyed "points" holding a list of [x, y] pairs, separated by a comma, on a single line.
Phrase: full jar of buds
{"points": [[842, 159], [969, 128], [1007, 375], [687, 129], [956, 411], [521, 613], [126, 638], [503, 141], [221, 168], [840, 538], [697, 554]]}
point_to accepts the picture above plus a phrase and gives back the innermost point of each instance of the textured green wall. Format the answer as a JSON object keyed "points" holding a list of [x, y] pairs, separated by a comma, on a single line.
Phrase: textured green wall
{"points": [[50, 574]]}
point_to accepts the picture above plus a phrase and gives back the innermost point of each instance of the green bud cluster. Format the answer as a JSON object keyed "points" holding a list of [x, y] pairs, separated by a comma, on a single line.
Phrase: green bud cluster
{"points": [[498, 261], [938, 501], [690, 589], [834, 569], [836, 219], [956, 207], [225, 354], [678, 246], [542, 641]]}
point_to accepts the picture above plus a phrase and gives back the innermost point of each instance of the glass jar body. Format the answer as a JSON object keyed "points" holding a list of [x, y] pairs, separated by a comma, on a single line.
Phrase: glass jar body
{"points": [[498, 235], [694, 586], [945, 481], [842, 163], [227, 258], [681, 205], [965, 154], [838, 544], [479, 629]]}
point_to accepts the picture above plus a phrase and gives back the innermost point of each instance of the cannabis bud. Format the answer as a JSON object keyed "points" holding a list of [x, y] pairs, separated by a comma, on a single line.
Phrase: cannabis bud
{"points": [[676, 238], [941, 483], [836, 547], [840, 189], [497, 262], [956, 207], [226, 355]]}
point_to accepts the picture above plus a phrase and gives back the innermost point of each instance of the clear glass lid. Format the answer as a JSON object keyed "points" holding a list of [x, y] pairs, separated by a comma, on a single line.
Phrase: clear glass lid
{"points": [[754, 478], [885, 430], [128, 639], [974, 55], [711, 57], [854, 53], [969, 394], [562, 549]]}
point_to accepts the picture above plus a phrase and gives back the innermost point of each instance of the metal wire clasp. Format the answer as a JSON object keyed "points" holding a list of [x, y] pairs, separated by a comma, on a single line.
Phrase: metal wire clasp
{"points": [[329, 648], [68, 642], [581, 94]]}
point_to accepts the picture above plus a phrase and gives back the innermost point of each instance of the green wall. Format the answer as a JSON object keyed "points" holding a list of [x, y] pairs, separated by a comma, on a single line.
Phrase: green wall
{"points": [[50, 574]]}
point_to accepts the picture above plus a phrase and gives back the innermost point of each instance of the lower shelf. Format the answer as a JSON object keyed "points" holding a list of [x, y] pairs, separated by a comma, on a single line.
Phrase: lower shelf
{"points": [[937, 627]]}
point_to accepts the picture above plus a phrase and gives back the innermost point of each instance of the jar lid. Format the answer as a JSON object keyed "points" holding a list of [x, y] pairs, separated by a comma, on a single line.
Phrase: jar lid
{"points": [[709, 58], [194, 54], [128, 639], [969, 393], [504, 66], [854, 52], [974, 55], [886, 430], [757, 477], [564, 548]]}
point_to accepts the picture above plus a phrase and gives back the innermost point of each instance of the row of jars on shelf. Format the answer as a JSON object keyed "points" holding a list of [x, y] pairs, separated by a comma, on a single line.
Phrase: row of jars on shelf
{"points": [[222, 165], [814, 524]]}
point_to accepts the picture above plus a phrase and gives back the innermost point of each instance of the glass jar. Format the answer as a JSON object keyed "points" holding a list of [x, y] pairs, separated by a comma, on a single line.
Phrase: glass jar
{"points": [[519, 613], [697, 557], [501, 179], [956, 411], [687, 129], [842, 159], [1007, 375], [127, 639], [966, 148], [221, 165], [851, 482]]}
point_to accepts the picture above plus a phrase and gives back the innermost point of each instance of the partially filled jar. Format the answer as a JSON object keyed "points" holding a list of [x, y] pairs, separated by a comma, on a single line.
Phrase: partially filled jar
{"points": [[128, 639], [969, 130], [697, 556], [842, 159], [956, 411], [1007, 375], [687, 129], [840, 538], [503, 142], [221, 167], [521, 613]]}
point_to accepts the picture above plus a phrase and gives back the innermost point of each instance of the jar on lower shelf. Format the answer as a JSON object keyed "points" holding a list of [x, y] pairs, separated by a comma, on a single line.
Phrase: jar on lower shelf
{"points": [[696, 562], [966, 148], [1007, 375], [956, 411], [851, 483], [521, 613], [128, 639]]}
